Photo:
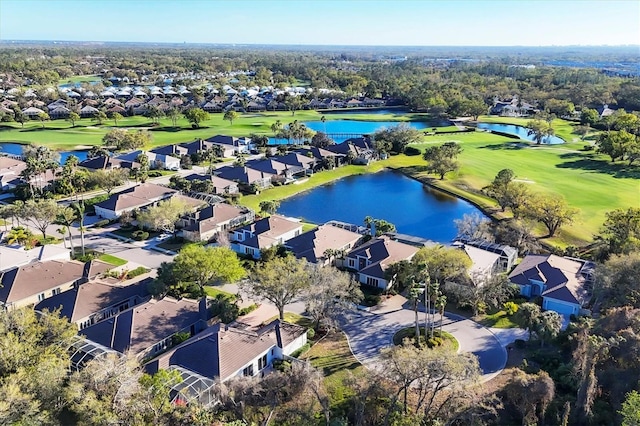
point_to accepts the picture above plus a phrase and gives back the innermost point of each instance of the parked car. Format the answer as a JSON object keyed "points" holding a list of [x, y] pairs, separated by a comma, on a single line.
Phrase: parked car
{"points": [[163, 237]]}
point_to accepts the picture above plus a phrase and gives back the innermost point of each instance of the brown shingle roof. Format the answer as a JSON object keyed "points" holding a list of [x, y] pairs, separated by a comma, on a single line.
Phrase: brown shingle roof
{"points": [[220, 351], [312, 244], [39, 277]]}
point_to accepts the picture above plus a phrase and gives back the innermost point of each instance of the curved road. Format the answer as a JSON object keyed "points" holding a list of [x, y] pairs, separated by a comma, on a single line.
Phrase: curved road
{"points": [[368, 333]]}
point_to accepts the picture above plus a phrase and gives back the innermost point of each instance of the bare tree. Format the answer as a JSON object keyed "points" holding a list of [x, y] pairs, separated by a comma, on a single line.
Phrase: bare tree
{"points": [[331, 294]]}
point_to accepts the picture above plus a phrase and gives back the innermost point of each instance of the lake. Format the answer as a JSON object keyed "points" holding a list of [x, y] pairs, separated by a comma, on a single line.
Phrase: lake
{"points": [[414, 208], [522, 132], [16, 149], [341, 130]]}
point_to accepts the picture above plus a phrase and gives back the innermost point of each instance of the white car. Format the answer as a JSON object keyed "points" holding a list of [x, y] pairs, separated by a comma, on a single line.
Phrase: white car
{"points": [[163, 237]]}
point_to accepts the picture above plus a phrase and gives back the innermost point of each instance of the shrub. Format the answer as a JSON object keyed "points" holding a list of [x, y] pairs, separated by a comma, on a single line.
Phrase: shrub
{"points": [[520, 344], [311, 333], [434, 342], [86, 258], [302, 350], [101, 223], [282, 365], [371, 300], [247, 309], [154, 173], [136, 272], [140, 235], [588, 148], [178, 338], [224, 309], [510, 307]]}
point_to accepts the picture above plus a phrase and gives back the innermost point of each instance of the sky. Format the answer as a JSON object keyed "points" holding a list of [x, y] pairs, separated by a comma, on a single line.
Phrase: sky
{"points": [[327, 22]]}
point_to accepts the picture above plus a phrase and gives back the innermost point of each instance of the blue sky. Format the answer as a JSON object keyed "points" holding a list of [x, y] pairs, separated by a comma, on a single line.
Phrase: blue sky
{"points": [[343, 22]]}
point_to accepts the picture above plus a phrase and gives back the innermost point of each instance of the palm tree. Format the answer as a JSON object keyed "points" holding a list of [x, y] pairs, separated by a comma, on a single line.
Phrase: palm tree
{"points": [[80, 210], [324, 120], [20, 235], [440, 303], [415, 293], [62, 231], [66, 217], [276, 127]]}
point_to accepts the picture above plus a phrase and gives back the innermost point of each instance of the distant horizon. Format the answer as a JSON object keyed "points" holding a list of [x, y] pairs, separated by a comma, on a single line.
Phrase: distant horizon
{"points": [[306, 44], [384, 23]]}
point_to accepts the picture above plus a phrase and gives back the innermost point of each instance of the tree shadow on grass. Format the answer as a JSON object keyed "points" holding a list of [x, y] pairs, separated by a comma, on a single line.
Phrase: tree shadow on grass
{"points": [[617, 170], [514, 146], [169, 129], [36, 129]]}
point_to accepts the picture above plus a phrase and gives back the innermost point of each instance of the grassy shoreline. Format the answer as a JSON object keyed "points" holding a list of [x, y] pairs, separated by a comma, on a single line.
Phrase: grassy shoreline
{"points": [[586, 179]]}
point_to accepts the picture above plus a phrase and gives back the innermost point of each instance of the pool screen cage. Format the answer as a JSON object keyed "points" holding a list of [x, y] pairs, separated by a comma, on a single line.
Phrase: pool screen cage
{"points": [[83, 350], [193, 387]]}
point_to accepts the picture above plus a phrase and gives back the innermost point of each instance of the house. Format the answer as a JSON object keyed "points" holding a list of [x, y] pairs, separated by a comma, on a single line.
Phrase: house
{"points": [[34, 282], [604, 111], [512, 108], [371, 260], [280, 172], [32, 112], [222, 352], [196, 146], [10, 169], [231, 146], [487, 259], [323, 156], [108, 163], [171, 150], [88, 111], [361, 150], [204, 224], [245, 176], [220, 186], [91, 302], [133, 198], [296, 159], [267, 232], [565, 284], [156, 160], [12, 257], [148, 329], [314, 245]]}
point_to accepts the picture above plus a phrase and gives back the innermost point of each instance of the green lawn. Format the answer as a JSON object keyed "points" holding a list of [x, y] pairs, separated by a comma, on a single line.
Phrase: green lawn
{"points": [[213, 292], [333, 356], [115, 261], [286, 191], [292, 318], [498, 320], [59, 134], [587, 180]]}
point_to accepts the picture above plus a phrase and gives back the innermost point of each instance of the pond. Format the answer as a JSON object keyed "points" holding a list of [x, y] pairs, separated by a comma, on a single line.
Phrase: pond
{"points": [[341, 130], [396, 111], [414, 208], [16, 149], [522, 132]]}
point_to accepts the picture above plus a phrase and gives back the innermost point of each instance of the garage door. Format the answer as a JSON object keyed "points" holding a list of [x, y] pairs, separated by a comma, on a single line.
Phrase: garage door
{"points": [[560, 308]]}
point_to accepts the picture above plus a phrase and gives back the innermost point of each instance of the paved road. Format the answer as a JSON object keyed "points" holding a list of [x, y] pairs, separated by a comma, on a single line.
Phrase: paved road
{"points": [[368, 333]]}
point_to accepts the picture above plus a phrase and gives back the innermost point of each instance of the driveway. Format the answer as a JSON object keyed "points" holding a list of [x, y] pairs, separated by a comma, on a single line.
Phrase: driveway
{"points": [[368, 333]]}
